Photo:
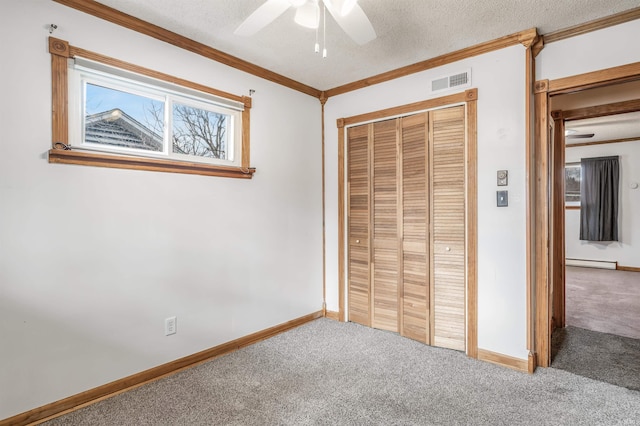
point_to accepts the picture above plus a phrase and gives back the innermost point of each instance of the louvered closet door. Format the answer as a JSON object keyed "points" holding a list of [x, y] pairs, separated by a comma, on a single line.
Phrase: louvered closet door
{"points": [[415, 253], [448, 221], [406, 226], [358, 224], [384, 282]]}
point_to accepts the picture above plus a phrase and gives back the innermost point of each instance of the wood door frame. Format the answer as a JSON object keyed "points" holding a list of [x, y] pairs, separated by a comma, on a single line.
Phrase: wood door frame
{"points": [[560, 117], [549, 236], [469, 99]]}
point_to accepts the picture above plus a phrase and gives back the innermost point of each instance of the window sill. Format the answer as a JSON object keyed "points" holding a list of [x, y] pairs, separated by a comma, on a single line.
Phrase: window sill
{"points": [[149, 164]]}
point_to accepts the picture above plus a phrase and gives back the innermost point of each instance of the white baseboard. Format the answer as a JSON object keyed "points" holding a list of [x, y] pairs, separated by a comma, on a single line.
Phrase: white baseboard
{"points": [[602, 264]]}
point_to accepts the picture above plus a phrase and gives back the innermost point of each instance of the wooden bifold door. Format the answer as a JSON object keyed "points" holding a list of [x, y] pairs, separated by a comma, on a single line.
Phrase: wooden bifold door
{"points": [[406, 226]]}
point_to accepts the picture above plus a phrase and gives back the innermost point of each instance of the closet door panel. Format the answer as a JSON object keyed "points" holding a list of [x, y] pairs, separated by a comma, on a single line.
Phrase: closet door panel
{"points": [[406, 226], [415, 274], [448, 218], [358, 224], [385, 226]]}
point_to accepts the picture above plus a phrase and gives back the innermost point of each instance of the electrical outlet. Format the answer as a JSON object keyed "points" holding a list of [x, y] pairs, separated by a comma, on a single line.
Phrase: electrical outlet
{"points": [[170, 326]]}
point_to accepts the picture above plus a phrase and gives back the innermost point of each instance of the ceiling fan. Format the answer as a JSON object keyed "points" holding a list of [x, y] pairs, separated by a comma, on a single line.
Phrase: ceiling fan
{"points": [[347, 13], [581, 136], [573, 134]]}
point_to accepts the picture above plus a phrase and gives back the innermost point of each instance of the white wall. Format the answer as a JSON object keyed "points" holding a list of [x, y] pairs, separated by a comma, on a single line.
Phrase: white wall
{"points": [[606, 48], [597, 96], [626, 251], [93, 259], [500, 79], [602, 49]]}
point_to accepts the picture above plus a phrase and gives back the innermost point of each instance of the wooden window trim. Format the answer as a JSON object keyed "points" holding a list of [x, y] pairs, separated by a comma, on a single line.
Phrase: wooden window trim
{"points": [[61, 51]]}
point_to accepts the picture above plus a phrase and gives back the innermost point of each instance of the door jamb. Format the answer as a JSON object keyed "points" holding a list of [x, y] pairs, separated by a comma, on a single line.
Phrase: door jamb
{"points": [[546, 258]]}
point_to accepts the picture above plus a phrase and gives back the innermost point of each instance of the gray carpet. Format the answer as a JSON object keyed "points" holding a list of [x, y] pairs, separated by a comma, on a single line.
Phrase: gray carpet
{"points": [[603, 300], [331, 373], [600, 356]]}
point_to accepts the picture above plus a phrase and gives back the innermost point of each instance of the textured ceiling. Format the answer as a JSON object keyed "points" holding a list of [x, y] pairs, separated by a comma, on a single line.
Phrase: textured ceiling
{"points": [[409, 31], [612, 127]]}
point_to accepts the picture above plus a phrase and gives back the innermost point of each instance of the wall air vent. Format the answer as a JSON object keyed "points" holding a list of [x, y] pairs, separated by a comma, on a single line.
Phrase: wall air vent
{"points": [[458, 80]]}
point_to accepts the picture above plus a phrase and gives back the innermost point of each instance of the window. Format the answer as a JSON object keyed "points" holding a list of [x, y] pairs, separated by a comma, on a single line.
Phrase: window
{"points": [[572, 179], [121, 115]]}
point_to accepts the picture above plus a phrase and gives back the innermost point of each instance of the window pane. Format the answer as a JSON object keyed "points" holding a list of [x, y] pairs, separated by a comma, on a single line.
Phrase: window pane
{"points": [[199, 132], [117, 118]]}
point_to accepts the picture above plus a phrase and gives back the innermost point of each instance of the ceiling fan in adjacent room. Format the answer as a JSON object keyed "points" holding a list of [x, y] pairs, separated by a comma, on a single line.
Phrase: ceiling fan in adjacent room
{"points": [[573, 134], [347, 13]]}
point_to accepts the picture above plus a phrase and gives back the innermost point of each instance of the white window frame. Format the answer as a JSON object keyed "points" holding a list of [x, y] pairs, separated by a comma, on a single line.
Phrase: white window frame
{"points": [[83, 71]]}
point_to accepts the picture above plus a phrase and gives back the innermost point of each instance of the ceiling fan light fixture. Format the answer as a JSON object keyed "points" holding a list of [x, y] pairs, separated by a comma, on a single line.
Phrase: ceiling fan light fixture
{"points": [[343, 7], [308, 15]]}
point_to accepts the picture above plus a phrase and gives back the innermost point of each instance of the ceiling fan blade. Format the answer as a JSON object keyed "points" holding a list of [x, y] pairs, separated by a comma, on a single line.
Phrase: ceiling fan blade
{"points": [[582, 136], [355, 24], [262, 17]]}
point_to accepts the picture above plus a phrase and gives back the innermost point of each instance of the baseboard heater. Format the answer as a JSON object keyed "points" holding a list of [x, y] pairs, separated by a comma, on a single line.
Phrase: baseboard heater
{"points": [[602, 264]]}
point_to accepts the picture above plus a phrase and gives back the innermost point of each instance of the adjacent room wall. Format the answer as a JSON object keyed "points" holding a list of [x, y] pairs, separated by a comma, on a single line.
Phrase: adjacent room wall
{"points": [[627, 250], [593, 51], [92, 260], [500, 79], [597, 96]]}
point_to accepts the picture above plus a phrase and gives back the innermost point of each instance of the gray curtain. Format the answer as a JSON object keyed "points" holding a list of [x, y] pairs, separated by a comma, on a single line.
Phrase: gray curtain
{"points": [[599, 199]]}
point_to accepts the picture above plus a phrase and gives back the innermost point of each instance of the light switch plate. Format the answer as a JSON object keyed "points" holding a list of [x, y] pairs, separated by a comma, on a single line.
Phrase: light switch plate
{"points": [[502, 198], [503, 177]]}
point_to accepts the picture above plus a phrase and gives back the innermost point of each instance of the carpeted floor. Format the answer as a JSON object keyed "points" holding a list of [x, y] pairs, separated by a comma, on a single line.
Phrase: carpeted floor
{"points": [[331, 373], [600, 356], [603, 300]]}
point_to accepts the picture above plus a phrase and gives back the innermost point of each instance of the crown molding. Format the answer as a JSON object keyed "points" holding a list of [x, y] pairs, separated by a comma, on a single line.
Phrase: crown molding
{"points": [[525, 38], [528, 38], [107, 13], [597, 24]]}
